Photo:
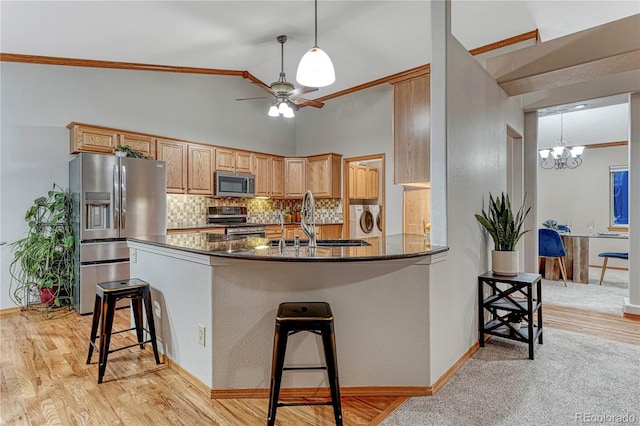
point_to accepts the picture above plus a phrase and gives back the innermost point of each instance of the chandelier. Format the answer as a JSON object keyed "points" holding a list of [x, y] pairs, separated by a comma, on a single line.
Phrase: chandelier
{"points": [[561, 156]]}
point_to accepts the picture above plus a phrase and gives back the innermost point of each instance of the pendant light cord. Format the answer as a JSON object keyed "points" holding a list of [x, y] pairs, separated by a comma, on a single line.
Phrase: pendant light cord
{"points": [[316, 24]]}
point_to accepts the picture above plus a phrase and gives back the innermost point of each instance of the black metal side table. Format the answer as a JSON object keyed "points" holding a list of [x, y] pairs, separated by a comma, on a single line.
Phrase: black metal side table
{"points": [[510, 296]]}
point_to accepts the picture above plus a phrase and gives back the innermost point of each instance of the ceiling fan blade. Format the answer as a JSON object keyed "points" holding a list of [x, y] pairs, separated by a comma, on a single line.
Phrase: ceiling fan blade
{"points": [[265, 87], [307, 102], [249, 99], [302, 90]]}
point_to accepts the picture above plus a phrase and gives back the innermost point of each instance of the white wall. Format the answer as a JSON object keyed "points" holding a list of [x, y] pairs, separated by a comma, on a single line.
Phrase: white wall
{"points": [[38, 101], [477, 115], [584, 127], [582, 194], [355, 125]]}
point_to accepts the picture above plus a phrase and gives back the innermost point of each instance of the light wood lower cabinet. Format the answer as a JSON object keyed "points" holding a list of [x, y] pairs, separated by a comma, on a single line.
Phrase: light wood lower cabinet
{"points": [[323, 232], [174, 153]]}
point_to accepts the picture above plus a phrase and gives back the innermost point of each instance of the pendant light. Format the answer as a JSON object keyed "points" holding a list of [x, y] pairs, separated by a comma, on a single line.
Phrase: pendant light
{"points": [[315, 68]]}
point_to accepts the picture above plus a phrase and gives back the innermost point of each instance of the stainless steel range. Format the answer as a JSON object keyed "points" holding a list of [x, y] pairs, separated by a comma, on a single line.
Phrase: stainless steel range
{"points": [[234, 220]]}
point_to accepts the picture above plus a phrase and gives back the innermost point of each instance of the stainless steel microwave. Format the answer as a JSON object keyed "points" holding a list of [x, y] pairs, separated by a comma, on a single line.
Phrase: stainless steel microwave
{"points": [[238, 185]]}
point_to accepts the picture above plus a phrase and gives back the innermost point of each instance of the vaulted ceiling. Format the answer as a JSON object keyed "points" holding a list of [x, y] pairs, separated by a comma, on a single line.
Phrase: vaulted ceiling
{"points": [[366, 40]]}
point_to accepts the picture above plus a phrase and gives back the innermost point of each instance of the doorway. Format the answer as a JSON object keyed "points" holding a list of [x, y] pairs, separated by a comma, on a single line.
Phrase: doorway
{"points": [[364, 191]]}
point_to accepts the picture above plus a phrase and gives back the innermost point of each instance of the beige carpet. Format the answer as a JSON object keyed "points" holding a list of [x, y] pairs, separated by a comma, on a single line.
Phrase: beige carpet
{"points": [[605, 298], [575, 379]]}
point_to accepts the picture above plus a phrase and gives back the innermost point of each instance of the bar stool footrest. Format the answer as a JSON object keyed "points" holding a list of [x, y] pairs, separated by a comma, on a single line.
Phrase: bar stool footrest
{"points": [[299, 404], [322, 367]]}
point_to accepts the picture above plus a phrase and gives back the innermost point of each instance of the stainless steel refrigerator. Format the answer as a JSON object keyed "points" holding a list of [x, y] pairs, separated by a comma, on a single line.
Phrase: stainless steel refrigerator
{"points": [[114, 198]]}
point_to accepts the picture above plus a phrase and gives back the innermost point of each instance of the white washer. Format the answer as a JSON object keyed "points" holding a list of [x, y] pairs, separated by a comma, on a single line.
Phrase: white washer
{"points": [[376, 211], [361, 222]]}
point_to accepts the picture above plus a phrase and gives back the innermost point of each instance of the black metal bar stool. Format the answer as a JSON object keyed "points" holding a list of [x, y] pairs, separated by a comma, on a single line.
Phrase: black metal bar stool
{"points": [[107, 294], [314, 317]]}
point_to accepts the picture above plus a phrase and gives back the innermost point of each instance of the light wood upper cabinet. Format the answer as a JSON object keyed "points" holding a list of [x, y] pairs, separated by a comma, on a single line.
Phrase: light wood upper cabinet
{"points": [[269, 172], [263, 169], [323, 175], [200, 169], [244, 162], [295, 177], [234, 161], [363, 182], [277, 177], [372, 183], [145, 144], [411, 131], [91, 139], [174, 153], [225, 160]]}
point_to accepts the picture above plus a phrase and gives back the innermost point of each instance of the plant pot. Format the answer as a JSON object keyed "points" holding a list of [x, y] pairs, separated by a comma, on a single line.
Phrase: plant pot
{"points": [[505, 262], [121, 153], [48, 295]]}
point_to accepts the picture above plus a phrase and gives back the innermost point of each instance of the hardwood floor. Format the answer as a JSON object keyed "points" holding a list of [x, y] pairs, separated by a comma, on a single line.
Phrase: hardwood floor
{"points": [[44, 378]]}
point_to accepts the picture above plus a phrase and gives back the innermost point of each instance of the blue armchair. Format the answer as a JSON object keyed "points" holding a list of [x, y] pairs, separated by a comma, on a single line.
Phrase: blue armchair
{"points": [[550, 245]]}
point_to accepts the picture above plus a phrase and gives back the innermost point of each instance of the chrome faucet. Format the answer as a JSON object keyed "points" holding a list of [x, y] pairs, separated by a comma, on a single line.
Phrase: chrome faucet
{"points": [[281, 243], [308, 218]]}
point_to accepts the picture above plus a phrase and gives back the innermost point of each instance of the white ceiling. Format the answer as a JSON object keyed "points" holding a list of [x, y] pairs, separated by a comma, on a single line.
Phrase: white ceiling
{"points": [[366, 40]]}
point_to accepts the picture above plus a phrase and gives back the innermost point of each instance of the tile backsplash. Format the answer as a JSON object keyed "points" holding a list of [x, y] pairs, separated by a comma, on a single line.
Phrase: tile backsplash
{"points": [[190, 210]]}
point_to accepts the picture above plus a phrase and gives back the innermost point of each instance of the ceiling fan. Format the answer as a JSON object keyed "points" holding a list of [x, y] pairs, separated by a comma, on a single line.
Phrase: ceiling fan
{"points": [[285, 95]]}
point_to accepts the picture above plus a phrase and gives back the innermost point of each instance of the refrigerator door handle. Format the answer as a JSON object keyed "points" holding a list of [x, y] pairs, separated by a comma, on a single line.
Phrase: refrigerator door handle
{"points": [[116, 197], [123, 205]]}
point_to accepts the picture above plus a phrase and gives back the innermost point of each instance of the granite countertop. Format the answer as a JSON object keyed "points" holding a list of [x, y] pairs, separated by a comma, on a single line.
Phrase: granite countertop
{"points": [[398, 246]]}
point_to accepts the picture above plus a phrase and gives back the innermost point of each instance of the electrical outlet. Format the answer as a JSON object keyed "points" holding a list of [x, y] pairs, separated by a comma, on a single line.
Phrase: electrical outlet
{"points": [[133, 256], [201, 334]]}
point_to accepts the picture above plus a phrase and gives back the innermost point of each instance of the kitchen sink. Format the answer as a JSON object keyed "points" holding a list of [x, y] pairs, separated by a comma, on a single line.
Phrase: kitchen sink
{"points": [[324, 243]]}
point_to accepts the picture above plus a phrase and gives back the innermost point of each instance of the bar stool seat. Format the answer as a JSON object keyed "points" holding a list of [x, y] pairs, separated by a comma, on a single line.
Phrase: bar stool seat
{"points": [[314, 317], [107, 295]]}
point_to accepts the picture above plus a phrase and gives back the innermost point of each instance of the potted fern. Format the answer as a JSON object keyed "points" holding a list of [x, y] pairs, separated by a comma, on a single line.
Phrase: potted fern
{"points": [[42, 269], [506, 230], [127, 151]]}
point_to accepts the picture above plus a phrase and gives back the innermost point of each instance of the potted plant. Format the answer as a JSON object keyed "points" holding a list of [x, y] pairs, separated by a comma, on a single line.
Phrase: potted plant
{"points": [[42, 269], [506, 230], [127, 151]]}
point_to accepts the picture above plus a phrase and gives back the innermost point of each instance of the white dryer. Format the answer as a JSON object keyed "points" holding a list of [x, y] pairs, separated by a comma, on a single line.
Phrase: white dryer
{"points": [[361, 222], [376, 211]]}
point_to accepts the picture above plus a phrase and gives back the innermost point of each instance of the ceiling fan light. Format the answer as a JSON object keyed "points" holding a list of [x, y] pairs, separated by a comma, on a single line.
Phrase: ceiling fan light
{"points": [[273, 111], [283, 107], [315, 69], [289, 113]]}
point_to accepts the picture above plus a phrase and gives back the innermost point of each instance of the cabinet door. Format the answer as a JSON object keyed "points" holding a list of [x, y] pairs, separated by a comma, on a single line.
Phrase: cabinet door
{"points": [[91, 139], [323, 175], [200, 171], [411, 131], [263, 171], [277, 177], [295, 182], [244, 162], [225, 160], [331, 232], [361, 182], [352, 181], [372, 182], [174, 153], [145, 144]]}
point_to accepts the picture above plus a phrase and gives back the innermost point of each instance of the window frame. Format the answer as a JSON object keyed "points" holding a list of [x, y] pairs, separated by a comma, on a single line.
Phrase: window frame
{"points": [[616, 226]]}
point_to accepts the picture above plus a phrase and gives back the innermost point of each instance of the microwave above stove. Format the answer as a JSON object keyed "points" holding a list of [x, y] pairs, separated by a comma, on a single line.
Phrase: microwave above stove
{"points": [[237, 185]]}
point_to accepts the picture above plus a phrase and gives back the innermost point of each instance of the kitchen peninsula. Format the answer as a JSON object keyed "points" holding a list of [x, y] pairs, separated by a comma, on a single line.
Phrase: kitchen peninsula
{"points": [[230, 289]]}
